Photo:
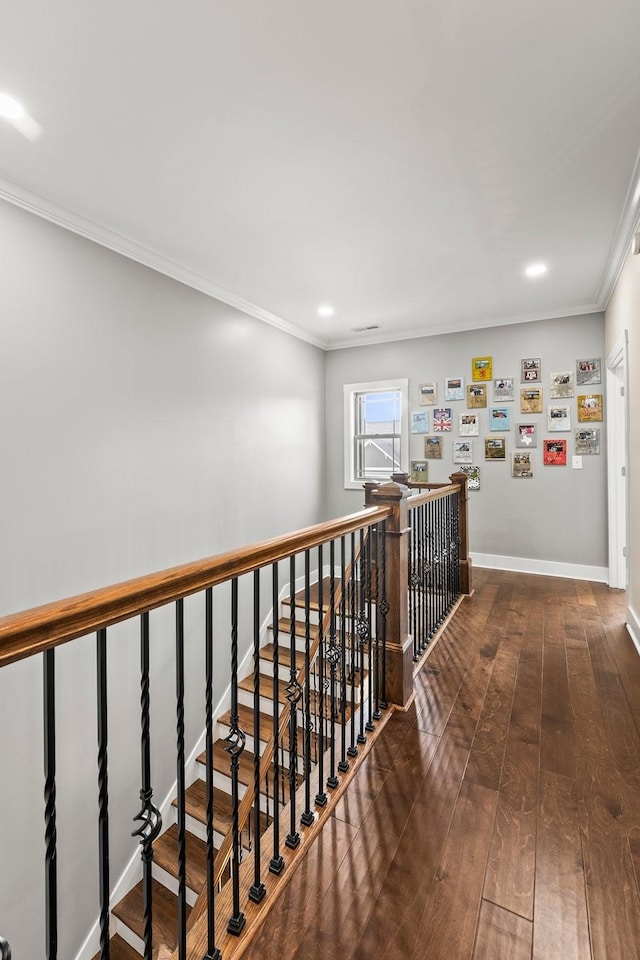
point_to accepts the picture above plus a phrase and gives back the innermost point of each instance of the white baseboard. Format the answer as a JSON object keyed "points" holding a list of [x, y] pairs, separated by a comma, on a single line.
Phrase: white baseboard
{"points": [[547, 568], [633, 627]]}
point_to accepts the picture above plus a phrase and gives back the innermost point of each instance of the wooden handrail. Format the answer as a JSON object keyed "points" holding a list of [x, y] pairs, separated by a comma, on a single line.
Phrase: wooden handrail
{"points": [[33, 631], [444, 490]]}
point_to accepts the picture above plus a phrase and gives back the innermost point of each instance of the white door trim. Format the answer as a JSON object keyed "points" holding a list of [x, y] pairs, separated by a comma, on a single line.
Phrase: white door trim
{"points": [[617, 446]]}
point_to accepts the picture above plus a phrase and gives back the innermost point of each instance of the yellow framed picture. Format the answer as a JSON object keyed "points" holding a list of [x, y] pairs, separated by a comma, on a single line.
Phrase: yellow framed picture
{"points": [[482, 368]]}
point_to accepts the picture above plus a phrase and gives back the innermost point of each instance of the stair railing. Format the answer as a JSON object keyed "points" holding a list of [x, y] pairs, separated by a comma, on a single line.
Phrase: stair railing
{"points": [[360, 652]]}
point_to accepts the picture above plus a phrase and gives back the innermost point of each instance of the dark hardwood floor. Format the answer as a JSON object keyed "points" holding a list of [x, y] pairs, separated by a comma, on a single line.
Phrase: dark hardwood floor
{"points": [[499, 818]]}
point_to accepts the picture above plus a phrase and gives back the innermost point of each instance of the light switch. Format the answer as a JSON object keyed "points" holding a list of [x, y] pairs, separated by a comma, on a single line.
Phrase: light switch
{"points": [[576, 463]]}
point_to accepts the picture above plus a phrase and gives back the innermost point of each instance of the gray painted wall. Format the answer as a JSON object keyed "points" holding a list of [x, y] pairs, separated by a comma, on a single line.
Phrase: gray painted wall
{"points": [[142, 425], [560, 513]]}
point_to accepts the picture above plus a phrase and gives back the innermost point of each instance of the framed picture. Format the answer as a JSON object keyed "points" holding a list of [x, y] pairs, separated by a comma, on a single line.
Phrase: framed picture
{"points": [[558, 418], [476, 395], [521, 465], [473, 473], [526, 435], [503, 389], [554, 453], [463, 451], [454, 388], [442, 420], [589, 407], [419, 471], [561, 385], [531, 400], [469, 425], [482, 368], [588, 371], [428, 394], [420, 421], [433, 448], [499, 418], [531, 370], [587, 440], [495, 448]]}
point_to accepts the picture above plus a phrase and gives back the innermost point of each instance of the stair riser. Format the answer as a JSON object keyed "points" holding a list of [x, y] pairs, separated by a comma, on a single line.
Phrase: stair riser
{"points": [[172, 884], [266, 706]]}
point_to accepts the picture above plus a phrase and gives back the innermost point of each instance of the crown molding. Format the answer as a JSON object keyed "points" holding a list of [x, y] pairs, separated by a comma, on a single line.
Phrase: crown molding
{"points": [[562, 311], [628, 225], [90, 230]]}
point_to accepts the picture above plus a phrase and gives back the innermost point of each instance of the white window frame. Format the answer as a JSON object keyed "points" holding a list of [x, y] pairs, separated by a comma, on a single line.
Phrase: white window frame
{"points": [[350, 390]]}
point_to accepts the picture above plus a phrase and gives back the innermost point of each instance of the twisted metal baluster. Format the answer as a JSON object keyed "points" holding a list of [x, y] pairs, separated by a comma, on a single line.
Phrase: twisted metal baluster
{"points": [[363, 631], [213, 953], [103, 793], [377, 715], [321, 797], [257, 889], [384, 610], [307, 815], [343, 765], [149, 815], [5, 949], [235, 742], [369, 726], [276, 864], [353, 750], [293, 693], [180, 768], [50, 832], [333, 655]]}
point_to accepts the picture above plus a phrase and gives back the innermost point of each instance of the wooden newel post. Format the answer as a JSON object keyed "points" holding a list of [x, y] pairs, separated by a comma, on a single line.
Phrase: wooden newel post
{"points": [[399, 645], [463, 531]]}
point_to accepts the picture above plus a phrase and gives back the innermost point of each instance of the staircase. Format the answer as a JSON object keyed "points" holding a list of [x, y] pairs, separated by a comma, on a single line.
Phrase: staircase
{"points": [[127, 942]]}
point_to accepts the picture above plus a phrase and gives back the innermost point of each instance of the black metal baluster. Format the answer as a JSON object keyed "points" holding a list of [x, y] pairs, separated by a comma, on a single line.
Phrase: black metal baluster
{"points": [[333, 655], [213, 953], [456, 516], [362, 631], [353, 750], [50, 832], [307, 815], [384, 610], [103, 792], [412, 581], [235, 745], [5, 949], [321, 796], [149, 815], [343, 765], [257, 889], [180, 768], [368, 597], [276, 864], [377, 715], [294, 692], [441, 552], [432, 568]]}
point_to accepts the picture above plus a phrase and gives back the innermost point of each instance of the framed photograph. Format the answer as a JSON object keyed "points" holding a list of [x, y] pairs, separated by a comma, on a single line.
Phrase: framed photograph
{"points": [[442, 420], [463, 451], [433, 448], [469, 425], [521, 465], [531, 400], [499, 418], [419, 471], [531, 370], [589, 407], [526, 435], [561, 385], [558, 418], [588, 371], [482, 368], [554, 453], [587, 440], [420, 421], [495, 448], [476, 395], [503, 389], [473, 473], [454, 388], [428, 394]]}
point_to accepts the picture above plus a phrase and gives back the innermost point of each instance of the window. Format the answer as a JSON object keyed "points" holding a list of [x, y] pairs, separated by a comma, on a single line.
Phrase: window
{"points": [[375, 431]]}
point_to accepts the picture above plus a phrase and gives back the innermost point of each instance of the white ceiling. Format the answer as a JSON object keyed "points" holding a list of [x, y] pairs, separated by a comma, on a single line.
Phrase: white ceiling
{"points": [[402, 160]]}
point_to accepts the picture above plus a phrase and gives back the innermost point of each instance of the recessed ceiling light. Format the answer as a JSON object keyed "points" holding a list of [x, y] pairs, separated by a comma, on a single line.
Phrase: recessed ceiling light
{"points": [[15, 114], [325, 310], [536, 270]]}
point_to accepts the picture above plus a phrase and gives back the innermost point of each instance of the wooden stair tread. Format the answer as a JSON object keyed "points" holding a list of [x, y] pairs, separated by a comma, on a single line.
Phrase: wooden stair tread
{"points": [[265, 686], [119, 949], [245, 719], [196, 806], [165, 854], [284, 655], [284, 630], [299, 598], [221, 763], [130, 910]]}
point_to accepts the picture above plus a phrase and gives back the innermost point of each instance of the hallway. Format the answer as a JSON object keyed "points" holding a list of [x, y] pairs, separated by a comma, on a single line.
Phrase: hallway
{"points": [[499, 818]]}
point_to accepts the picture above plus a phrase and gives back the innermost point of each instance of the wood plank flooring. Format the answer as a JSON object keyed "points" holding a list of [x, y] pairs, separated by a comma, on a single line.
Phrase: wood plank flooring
{"points": [[498, 818]]}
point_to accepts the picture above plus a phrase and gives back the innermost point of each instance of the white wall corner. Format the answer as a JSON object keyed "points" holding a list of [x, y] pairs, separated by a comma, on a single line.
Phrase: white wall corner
{"points": [[633, 627]]}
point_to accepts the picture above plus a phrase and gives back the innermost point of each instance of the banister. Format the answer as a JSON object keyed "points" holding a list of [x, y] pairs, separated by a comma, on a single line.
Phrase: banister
{"points": [[41, 628]]}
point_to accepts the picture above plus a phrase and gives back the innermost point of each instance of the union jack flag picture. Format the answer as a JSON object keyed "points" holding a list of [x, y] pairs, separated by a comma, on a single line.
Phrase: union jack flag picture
{"points": [[442, 420]]}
